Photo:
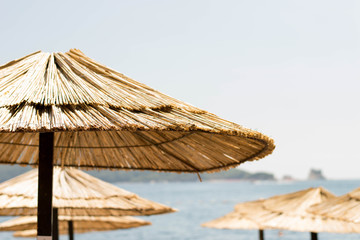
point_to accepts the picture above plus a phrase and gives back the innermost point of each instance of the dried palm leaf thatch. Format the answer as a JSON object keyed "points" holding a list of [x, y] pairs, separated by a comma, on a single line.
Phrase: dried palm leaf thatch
{"points": [[296, 203], [289, 211], [233, 220], [312, 223], [345, 207], [243, 217], [81, 223], [103, 119], [31, 233], [75, 194]]}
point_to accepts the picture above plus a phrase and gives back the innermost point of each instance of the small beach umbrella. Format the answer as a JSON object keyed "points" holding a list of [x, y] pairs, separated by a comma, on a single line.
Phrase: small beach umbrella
{"points": [[240, 218], [289, 212], [76, 193], [81, 224], [68, 110], [345, 207]]}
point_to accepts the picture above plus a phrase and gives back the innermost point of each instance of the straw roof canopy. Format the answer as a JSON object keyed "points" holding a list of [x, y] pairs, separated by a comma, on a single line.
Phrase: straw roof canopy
{"points": [[31, 233], [346, 207], [81, 223], [75, 193], [297, 203], [241, 218], [103, 119], [289, 211]]}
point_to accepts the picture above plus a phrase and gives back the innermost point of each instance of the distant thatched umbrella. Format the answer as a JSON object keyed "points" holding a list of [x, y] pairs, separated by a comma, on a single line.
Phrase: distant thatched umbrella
{"points": [[76, 193], [27, 225], [289, 211], [241, 218], [345, 207], [91, 116]]}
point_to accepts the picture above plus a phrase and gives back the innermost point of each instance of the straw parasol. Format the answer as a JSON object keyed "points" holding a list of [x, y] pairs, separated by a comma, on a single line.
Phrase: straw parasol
{"points": [[289, 211], [27, 225], [91, 116], [103, 119], [345, 207], [241, 218], [76, 193]]}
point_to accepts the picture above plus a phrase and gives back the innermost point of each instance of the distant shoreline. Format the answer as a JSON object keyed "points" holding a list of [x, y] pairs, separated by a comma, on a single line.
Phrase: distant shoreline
{"points": [[232, 175]]}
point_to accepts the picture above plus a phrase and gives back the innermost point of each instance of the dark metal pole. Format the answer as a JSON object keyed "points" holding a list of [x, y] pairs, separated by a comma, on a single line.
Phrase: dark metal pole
{"points": [[261, 234], [71, 230], [314, 236], [55, 231], [45, 181]]}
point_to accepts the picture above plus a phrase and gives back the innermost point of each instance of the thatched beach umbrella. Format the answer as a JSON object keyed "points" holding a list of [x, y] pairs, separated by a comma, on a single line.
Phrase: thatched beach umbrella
{"points": [[76, 193], [289, 212], [243, 217], [345, 207], [91, 116], [81, 224]]}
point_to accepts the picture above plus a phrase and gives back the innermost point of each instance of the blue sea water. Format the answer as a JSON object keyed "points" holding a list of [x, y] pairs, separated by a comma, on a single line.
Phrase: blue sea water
{"points": [[199, 202]]}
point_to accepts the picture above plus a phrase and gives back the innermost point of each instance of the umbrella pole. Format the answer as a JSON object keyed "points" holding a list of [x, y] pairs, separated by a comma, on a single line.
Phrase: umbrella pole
{"points": [[314, 236], [261, 234], [71, 230], [45, 181], [55, 231]]}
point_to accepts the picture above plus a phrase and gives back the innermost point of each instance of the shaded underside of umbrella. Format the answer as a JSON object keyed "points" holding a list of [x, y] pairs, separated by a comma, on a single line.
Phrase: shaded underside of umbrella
{"points": [[75, 193], [81, 223], [345, 207], [289, 211], [103, 119]]}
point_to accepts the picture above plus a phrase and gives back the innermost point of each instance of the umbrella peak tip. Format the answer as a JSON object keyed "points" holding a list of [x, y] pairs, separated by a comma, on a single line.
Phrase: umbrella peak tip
{"points": [[54, 52]]}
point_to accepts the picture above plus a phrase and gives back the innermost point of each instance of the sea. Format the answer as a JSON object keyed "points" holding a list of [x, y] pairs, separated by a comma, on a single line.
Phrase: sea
{"points": [[199, 202]]}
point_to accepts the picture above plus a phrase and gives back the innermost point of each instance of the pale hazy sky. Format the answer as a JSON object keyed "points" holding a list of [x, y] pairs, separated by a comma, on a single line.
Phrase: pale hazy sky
{"points": [[289, 69]]}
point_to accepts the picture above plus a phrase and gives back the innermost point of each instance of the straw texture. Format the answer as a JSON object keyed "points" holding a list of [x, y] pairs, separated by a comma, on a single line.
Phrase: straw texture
{"points": [[243, 217], [81, 223], [289, 211], [76, 194], [103, 119], [346, 207]]}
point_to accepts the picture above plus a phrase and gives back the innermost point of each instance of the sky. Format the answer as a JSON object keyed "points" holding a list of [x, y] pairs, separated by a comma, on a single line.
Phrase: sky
{"points": [[286, 68]]}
